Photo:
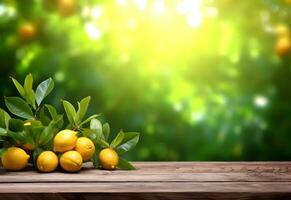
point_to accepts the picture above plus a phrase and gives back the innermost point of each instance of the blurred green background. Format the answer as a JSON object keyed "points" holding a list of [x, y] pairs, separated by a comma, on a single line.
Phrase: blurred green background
{"points": [[200, 79]]}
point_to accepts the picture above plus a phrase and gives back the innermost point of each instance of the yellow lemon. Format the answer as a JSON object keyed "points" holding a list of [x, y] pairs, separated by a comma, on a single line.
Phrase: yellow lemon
{"points": [[108, 158], [283, 46], [47, 161], [85, 147], [27, 31], [71, 161], [28, 146], [65, 140], [14, 159]]}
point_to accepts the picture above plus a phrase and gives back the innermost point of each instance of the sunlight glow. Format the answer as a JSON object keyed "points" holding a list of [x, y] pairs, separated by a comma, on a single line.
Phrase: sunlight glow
{"points": [[163, 33], [141, 4], [92, 31], [194, 19], [8, 11], [187, 6], [96, 12], [212, 12], [178, 106], [191, 8], [159, 6], [2, 9], [181, 8], [197, 116], [85, 11], [261, 101], [132, 24], [120, 2]]}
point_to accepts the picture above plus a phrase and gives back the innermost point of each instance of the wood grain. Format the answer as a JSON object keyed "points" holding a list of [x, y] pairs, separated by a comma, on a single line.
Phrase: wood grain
{"points": [[148, 187], [166, 172], [157, 180], [146, 196]]}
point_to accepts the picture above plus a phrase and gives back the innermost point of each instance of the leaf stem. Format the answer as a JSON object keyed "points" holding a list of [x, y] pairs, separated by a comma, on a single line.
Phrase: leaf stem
{"points": [[36, 112]]}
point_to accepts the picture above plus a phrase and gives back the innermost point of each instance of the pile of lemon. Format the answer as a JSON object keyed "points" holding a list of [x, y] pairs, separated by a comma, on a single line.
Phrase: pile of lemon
{"points": [[70, 152]]}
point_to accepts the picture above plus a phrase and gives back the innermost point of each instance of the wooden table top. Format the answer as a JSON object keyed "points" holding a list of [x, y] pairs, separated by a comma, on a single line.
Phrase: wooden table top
{"points": [[151, 177]]}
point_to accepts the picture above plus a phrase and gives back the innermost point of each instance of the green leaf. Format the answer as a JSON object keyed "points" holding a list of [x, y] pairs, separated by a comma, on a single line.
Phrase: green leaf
{"points": [[3, 132], [96, 137], [36, 133], [52, 111], [4, 118], [96, 125], [30, 98], [2, 151], [129, 141], [125, 165], [70, 111], [29, 93], [19, 87], [28, 82], [59, 121], [18, 107], [101, 143], [89, 119], [35, 154], [28, 139], [95, 159], [17, 136], [47, 134], [83, 106], [118, 139], [106, 130], [43, 89], [15, 125], [45, 120], [92, 134]]}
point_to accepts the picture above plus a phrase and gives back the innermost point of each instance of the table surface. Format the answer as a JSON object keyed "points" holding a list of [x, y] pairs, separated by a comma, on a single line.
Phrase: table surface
{"points": [[176, 177], [157, 177]]}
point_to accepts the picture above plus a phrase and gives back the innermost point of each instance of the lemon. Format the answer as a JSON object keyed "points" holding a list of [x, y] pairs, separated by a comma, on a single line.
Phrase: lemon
{"points": [[27, 31], [65, 140], [108, 158], [283, 46], [28, 146], [47, 161], [85, 147], [14, 159], [71, 161]]}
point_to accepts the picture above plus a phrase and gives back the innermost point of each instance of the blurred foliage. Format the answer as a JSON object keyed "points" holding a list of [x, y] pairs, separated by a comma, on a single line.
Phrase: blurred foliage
{"points": [[201, 80]]}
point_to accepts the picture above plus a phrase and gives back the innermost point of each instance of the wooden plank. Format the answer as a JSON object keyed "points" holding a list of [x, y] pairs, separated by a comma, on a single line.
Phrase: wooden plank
{"points": [[147, 196], [148, 187], [155, 180], [149, 177], [208, 166], [165, 172]]}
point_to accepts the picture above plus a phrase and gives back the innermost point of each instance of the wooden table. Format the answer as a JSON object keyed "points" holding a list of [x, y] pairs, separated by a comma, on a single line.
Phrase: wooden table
{"points": [[156, 180]]}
